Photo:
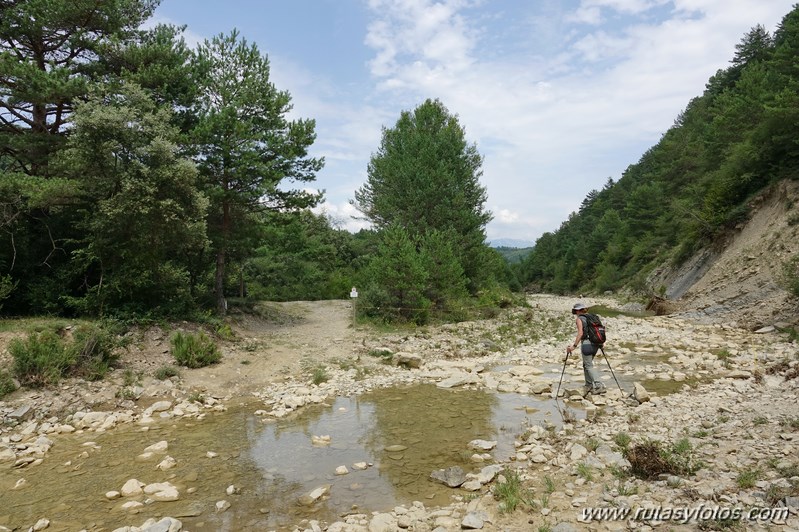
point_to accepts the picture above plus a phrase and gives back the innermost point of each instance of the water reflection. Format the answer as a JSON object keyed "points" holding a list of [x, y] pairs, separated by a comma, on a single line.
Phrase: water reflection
{"points": [[402, 433]]}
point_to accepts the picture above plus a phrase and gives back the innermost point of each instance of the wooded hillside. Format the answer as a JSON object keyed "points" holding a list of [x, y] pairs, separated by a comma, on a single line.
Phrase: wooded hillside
{"points": [[737, 138]]}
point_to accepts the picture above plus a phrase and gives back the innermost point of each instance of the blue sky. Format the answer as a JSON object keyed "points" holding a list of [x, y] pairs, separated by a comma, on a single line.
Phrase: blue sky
{"points": [[558, 96]]}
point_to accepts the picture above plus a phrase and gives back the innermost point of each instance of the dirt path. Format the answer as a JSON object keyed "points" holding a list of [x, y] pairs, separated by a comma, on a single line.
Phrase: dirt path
{"points": [[288, 339]]}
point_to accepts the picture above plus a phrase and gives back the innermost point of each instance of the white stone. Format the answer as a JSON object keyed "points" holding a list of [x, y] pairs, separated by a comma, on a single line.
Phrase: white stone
{"points": [[221, 506], [160, 406], [166, 463], [160, 447], [132, 487], [482, 445], [132, 505]]}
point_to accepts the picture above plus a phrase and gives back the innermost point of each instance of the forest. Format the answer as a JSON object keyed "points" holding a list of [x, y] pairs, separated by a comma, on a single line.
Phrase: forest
{"points": [[694, 186], [143, 179]]}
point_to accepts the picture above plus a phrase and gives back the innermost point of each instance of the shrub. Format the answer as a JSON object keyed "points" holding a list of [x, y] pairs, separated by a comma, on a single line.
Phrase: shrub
{"points": [[6, 383], [194, 350], [41, 360], [320, 375], [165, 372], [747, 478], [94, 351], [790, 276], [510, 492], [650, 459], [622, 439]]}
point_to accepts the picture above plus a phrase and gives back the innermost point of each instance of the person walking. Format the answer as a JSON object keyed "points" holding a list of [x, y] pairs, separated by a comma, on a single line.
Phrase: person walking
{"points": [[588, 351]]}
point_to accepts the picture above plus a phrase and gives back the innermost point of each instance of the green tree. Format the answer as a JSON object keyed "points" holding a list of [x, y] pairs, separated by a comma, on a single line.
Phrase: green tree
{"points": [[425, 176], [141, 213], [245, 147], [446, 283], [53, 54], [394, 280], [303, 257], [49, 55]]}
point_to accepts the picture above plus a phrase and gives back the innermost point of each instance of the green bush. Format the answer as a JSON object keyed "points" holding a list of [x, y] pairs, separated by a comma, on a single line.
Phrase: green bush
{"points": [[790, 276], [194, 350], [6, 383], [95, 351], [165, 372], [42, 359]]}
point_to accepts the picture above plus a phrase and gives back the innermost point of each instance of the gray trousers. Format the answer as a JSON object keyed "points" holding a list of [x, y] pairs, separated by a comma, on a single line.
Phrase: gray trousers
{"points": [[588, 351]]}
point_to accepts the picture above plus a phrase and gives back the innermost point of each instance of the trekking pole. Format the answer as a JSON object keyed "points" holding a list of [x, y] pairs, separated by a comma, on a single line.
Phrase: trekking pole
{"points": [[557, 393], [611, 370]]}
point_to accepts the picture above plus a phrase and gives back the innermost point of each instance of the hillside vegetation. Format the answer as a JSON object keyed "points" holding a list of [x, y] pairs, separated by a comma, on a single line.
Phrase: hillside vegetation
{"points": [[694, 188]]}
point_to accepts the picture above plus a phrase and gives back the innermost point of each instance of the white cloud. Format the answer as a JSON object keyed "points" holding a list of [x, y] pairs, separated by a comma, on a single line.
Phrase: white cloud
{"points": [[343, 216], [557, 100]]}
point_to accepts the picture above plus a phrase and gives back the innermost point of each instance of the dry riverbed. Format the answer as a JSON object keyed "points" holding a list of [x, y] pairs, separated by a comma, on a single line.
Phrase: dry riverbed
{"points": [[722, 401]]}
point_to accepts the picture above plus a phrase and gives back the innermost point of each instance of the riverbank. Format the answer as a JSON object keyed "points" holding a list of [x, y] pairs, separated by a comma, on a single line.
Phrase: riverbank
{"points": [[724, 398]]}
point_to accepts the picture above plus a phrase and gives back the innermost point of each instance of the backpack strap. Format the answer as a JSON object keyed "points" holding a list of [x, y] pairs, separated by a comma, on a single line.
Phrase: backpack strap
{"points": [[585, 326]]}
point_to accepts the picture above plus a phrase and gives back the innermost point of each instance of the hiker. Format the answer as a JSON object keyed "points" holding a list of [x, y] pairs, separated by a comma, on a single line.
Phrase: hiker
{"points": [[588, 350]]}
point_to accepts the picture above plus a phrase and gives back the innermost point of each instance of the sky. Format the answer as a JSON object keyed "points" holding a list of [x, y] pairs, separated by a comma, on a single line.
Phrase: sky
{"points": [[557, 96]]}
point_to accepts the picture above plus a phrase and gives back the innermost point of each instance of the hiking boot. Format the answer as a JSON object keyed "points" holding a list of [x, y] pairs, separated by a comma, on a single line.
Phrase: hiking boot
{"points": [[599, 391]]}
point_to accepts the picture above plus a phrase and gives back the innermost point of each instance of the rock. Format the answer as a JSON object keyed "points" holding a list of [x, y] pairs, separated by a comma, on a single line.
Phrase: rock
{"points": [[451, 476], [471, 485], [611, 458], [640, 394], [321, 441], [578, 452], [23, 413], [162, 491], [222, 506], [85, 420], [766, 329], [342, 470], [395, 448], [160, 447], [382, 522], [166, 463], [540, 388], [408, 360], [167, 524], [132, 487], [482, 445], [459, 379], [160, 406], [738, 374], [314, 495], [488, 473], [474, 520], [41, 524], [7, 455], [525, 371], [132, 505]]}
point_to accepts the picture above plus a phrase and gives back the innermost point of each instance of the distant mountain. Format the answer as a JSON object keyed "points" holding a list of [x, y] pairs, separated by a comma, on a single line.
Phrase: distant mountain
{"points": [[511, 243], [514, 251]]}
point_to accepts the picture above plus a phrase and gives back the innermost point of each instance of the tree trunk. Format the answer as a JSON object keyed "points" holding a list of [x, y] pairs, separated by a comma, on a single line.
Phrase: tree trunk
{"points": [[219, 283]]}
